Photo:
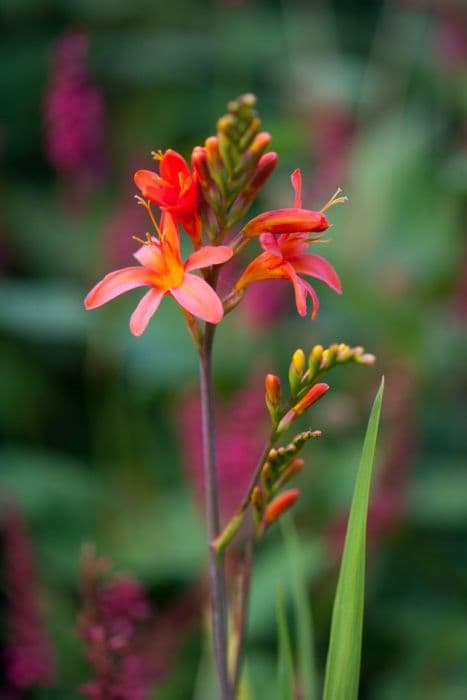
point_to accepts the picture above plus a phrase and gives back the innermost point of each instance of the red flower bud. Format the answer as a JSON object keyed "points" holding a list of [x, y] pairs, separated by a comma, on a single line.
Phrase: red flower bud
{"points": [[200, 165], [311, 397], [272, 385], [280, 505], [291, 220]]}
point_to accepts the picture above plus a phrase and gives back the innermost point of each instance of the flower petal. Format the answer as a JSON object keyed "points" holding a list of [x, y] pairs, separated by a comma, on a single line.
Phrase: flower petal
{"points": [[269, 243], [318, 267], [170, 237], [151, 256], [153, 186], [208, 255], [314, 298], [299, 288], [116, 283], [172, 163], [145, 310], [197, 297], [296, 178], [264, 267]]}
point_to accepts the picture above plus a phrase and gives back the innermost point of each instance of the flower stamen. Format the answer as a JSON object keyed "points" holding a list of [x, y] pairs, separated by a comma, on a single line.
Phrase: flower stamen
{"points": [[157, 155], [146, 204], [335, 199]]}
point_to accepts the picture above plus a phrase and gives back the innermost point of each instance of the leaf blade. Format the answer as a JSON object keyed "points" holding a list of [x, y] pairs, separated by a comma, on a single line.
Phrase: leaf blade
{"points": [[344, 651], [285, 671], [302, 609]]}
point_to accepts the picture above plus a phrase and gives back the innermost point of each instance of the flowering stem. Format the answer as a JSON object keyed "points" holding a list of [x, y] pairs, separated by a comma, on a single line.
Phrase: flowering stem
{"points": [[216, 564], [244, 601], [232, 527]]}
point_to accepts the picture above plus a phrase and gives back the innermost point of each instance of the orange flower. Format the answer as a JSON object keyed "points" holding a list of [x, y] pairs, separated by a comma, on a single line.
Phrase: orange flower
{"points": [[161, 268], [284, 256], [174, 189]]}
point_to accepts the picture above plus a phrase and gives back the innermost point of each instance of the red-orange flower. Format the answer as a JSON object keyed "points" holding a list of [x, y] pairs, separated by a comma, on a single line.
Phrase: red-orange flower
{"points": [[175, 189], [161, 268], [284, 255]]}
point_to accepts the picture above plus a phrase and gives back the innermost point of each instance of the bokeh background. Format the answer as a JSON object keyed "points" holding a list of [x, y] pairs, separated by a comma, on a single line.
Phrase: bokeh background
{"points": [[100, 430]]}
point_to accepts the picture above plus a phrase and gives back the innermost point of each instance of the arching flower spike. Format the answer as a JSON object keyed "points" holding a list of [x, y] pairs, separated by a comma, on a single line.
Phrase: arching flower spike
{"points": [[173, 189], [284, 257], [161, 268]]}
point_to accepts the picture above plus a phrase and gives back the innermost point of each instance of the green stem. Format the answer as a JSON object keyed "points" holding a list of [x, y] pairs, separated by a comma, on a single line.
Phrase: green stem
{"points": [[216, 564], [233, 526], [244, 602]]}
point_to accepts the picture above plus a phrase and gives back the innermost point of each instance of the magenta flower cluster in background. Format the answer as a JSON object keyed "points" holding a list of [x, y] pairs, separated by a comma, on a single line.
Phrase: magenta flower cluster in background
{"points": [[73, 113], [29, 658], [113, 611], [130, 648]]}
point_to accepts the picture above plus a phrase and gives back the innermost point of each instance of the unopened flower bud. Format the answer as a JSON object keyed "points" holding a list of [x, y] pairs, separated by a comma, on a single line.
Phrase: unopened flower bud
{"points": [[200, 165], [272, 455], [366, 359], [314, 361], [215, 162], [344, 353], [257, 498], [250, 158], [249, 134], [260, 143], [273, 394], [279, 506], [247, 195], [311, 397], [300, 439], [294, 468], [207, 185], [296, 369], [329, 357], [245, 101], [226, 123], [291, 220], [268, 475]]}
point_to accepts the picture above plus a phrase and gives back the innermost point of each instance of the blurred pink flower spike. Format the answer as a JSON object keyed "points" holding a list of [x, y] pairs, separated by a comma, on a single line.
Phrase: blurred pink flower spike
{"points": [[285, 256], [161, 269]]}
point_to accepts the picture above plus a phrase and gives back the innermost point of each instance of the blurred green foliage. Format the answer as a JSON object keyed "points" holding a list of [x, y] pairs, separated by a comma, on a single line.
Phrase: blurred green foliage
{"points": [[367, 96]]}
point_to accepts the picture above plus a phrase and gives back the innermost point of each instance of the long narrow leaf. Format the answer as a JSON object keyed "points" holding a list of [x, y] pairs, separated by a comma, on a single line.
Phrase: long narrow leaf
{"points": [[344, 652], [302, 609], [285, 671]]}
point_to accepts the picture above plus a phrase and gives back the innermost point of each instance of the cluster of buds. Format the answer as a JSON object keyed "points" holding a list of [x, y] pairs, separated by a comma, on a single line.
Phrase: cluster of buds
{"points": [[233, 165], [281, 465], [321, 360], [304, 387]]}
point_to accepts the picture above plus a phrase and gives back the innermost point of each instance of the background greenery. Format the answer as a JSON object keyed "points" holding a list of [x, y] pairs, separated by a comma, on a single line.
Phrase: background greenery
{"points": [[369, 96]]}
